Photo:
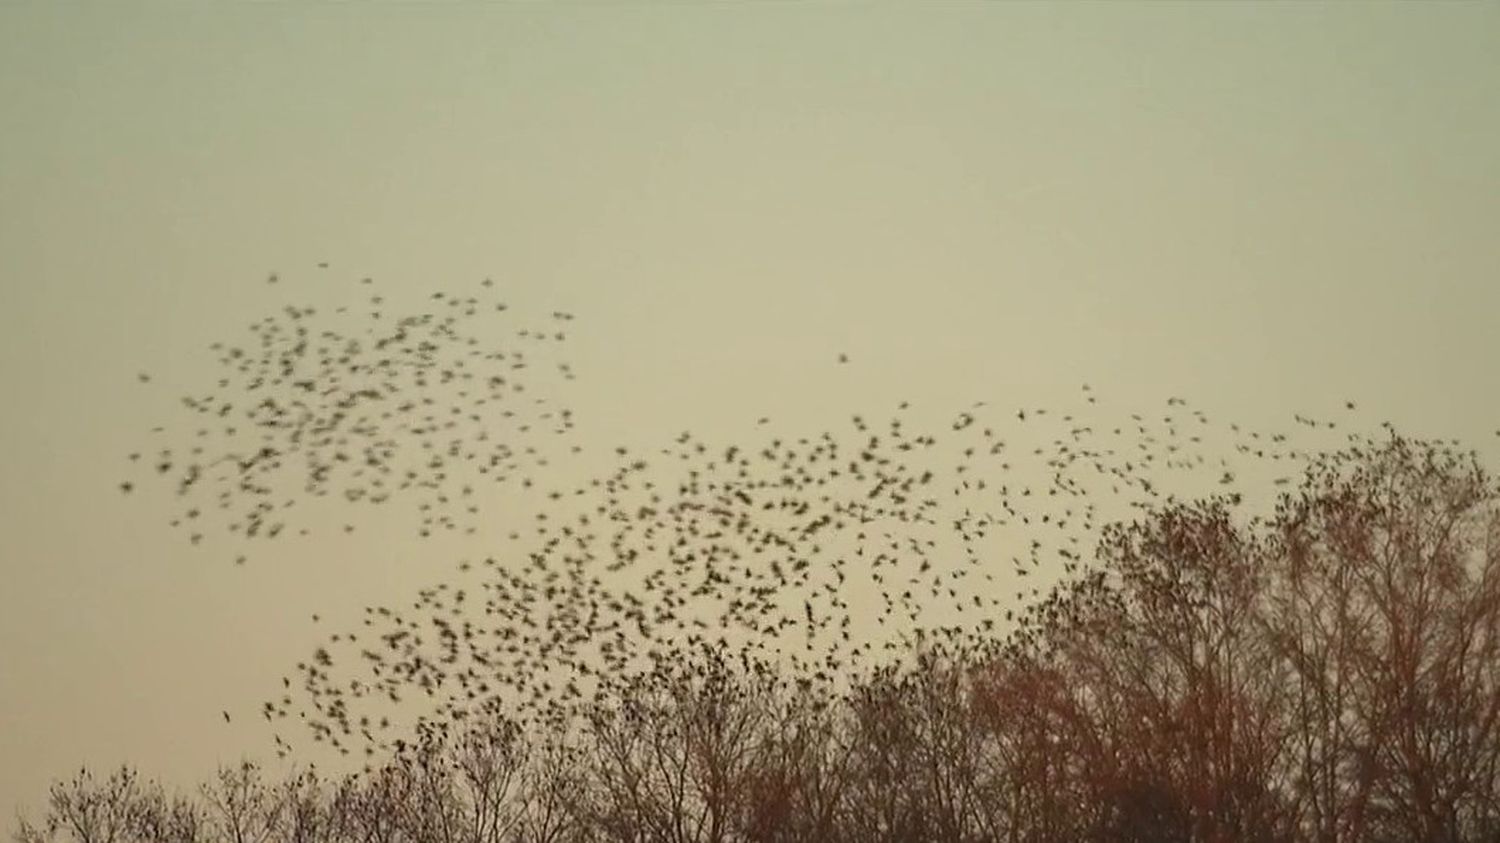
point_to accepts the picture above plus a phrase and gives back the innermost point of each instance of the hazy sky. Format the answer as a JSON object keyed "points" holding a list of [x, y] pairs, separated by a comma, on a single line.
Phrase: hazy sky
{"points": [[1266, 208]]}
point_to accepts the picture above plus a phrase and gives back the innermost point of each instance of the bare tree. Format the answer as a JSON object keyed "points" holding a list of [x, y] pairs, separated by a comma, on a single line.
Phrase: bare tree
{"points": [[87, 810], [673, 760], [1387, 612]]}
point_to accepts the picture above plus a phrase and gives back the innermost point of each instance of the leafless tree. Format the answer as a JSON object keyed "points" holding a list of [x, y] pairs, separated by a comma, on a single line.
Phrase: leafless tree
{"points": [[1386, 611]]}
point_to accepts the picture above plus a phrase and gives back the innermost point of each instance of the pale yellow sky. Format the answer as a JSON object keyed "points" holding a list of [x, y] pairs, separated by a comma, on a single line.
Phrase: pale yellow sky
{"points": [[1267, 208]]}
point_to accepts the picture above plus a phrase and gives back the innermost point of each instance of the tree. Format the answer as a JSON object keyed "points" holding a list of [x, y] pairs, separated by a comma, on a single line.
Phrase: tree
{"points": [[1386, 612]]}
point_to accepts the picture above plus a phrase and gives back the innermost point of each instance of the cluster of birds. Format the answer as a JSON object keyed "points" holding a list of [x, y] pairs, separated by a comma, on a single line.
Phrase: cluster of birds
{"points": [[369, 404], [819, 557]]}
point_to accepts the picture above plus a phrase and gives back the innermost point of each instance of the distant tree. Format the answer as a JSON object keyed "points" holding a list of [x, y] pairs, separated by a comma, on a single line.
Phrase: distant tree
{"points": [[801, 783], [1146, 701], [673, 761], [88, 810], [1386, 612], [1330, 675]]}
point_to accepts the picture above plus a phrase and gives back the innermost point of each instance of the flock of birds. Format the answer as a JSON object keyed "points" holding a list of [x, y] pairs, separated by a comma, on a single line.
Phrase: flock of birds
{"points": [[818, 556], [373, 406]]}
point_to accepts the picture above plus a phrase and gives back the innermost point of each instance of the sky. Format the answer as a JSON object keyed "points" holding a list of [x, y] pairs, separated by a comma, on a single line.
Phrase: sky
{"points": [[1269, 209]]}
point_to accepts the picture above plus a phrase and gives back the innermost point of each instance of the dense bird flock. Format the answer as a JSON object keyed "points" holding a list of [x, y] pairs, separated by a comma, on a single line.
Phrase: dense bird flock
{"points": [[996, 621], [375, 406], [815, 557]]}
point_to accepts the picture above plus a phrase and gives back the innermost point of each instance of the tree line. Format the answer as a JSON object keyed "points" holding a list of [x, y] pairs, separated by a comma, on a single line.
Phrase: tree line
{"points": [[1327, 673]]}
